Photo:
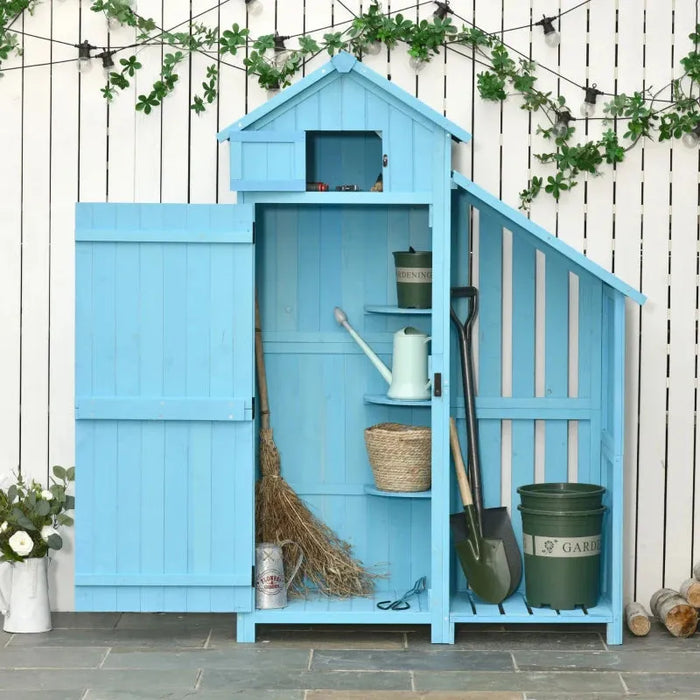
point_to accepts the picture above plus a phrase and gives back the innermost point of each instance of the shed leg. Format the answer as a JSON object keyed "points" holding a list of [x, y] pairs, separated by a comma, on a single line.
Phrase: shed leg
{"points": [[614, 632], [245, 628]]}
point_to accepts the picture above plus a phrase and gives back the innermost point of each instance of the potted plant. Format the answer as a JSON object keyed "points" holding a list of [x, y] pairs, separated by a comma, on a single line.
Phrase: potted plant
{"points": [[30, 516]]}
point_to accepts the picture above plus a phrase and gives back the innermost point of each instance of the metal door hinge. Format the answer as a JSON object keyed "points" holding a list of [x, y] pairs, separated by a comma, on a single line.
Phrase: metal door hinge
{"points": [[252, 576], [253, 232], [437, 384], [253, 408]]}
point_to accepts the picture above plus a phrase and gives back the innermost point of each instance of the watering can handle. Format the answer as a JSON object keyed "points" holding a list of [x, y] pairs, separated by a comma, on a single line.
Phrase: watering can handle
{"points": [[5, 568], [297, 565]]}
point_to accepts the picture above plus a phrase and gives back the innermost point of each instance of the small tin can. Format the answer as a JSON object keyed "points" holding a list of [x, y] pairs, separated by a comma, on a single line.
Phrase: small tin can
{"points": [[316, 187]]}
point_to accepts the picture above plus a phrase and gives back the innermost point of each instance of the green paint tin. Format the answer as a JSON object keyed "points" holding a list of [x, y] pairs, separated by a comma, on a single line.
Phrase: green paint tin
{"points": [[414, 278]]}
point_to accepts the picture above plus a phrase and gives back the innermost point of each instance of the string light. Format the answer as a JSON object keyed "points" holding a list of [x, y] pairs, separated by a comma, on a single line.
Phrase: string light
{"points": [[84, 56], [254, 7], [443, 9], [588, 104], [107, 61], [280, 48], [416, 63], [692, 138], [551, 35], [561, 126]]}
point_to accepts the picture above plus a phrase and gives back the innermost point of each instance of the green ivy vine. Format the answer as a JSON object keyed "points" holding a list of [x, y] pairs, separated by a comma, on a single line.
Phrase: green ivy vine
{"points": [[504, 77]]}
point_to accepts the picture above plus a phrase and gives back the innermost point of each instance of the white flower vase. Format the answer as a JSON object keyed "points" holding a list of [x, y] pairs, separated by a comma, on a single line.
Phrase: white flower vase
{"points": [[24, 595]]}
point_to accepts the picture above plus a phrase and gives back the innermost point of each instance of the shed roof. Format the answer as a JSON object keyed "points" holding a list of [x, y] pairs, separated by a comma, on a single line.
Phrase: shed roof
{"points": [[529, 227], [345, 63]]}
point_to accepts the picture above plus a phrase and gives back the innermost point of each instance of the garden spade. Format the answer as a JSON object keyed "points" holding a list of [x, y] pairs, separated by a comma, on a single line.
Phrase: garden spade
{"points": [[483, 559]]}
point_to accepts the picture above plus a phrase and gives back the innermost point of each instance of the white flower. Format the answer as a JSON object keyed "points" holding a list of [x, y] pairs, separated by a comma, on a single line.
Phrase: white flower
{"points": [[21, 543], [4, 526], [46, 495], [47, 531]]}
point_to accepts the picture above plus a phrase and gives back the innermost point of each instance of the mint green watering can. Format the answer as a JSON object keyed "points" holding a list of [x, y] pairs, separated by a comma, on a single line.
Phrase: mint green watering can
{"points": [[408, 376]]}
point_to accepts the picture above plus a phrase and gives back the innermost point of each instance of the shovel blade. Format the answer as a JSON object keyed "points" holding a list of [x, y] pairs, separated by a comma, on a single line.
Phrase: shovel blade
{"points": [[483, 561]]}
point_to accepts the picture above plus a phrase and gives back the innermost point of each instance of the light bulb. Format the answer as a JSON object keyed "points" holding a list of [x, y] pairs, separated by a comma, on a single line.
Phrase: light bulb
{"points": [[443, 8], [84, 56], [690, 138], [552, 38], [107, 62], [561, 126], [416, 63], [587, 109], [254, 7], [551, 35], [373, 48]]}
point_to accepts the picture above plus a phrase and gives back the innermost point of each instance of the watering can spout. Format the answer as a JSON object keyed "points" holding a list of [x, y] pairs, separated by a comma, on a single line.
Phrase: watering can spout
{"points": [[342, 319]]}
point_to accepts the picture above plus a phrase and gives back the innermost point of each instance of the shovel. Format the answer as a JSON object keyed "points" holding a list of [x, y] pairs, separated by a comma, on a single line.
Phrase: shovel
{"points": [[493, 523], [483, 560]]}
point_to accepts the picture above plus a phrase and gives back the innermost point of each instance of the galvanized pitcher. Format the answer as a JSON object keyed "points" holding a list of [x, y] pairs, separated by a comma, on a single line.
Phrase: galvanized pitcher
{"points": [[270, 585]]}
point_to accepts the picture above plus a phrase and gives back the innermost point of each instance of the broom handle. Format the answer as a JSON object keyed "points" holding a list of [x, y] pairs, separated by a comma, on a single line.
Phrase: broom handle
{"points": [[260, 367]]}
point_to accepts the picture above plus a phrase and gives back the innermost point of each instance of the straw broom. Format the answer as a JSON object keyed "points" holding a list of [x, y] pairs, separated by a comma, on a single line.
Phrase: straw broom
{"points": [[281, 515]]}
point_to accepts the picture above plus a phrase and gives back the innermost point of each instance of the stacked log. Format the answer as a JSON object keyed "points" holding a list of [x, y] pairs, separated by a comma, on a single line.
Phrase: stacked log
{"points": [[673, 610], [690, 590], [638, 622]]}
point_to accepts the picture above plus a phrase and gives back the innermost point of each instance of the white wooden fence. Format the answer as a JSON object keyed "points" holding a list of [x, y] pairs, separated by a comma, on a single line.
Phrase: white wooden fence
{"points": [[61, 142]]}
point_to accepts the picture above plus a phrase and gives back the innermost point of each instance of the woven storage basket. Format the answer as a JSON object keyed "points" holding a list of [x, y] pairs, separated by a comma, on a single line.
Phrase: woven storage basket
{"points": [[400, 456]]}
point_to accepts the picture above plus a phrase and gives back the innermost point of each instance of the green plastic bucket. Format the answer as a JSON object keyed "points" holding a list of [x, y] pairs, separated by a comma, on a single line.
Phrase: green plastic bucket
{"points": [[562, 557], [414, 278], [561, 496]]}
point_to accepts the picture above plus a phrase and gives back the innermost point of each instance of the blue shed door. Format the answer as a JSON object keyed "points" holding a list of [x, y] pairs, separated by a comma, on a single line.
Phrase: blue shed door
{"points": [[268, 161], [164, 381]]}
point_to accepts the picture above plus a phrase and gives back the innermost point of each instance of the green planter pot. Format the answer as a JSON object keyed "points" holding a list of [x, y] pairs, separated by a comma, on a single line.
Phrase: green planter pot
{"points": [[561, 496], [562, 557], [414, 278]]}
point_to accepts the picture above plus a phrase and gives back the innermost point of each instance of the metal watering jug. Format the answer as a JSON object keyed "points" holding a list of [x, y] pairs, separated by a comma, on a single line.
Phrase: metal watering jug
{"points": [[24, 595], [270, 585], [408, 377]]}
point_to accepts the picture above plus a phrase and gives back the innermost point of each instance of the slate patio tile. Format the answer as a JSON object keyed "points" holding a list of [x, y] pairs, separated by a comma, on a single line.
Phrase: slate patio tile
{"points": [[410, 695], [368, 681], [176, 621], [76, 694], [58, 657], [238, 658], [431, 659], [198, 695], [520, 681], [466, 638], [163, 638], [330, 639], [617, 660], [661, 684], [85, 620], [99, 679]]}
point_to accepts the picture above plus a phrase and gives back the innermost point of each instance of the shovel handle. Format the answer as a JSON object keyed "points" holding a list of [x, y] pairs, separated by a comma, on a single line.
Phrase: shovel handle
{"points": [[464, 491]]}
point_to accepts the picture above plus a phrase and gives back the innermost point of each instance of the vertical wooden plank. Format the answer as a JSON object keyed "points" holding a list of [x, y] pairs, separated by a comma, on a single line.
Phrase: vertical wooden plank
{"points": [[148, 128], [599, 191], [653, 358], [11, 267], [627, 265], [203, 127], [61, 312], [682, 348], [556, 354], [36, 193]]}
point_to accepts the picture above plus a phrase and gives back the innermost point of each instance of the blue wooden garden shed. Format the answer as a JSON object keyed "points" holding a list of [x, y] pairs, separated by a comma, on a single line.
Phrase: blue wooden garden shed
{"points": [[165, 390]]}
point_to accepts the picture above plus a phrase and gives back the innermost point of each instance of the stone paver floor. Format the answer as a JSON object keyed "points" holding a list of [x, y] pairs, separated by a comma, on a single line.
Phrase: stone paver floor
{"points": [[112, 656]]}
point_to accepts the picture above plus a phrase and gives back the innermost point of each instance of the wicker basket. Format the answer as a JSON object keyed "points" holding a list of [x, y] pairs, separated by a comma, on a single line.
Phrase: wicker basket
{"points": [[400, 456]]}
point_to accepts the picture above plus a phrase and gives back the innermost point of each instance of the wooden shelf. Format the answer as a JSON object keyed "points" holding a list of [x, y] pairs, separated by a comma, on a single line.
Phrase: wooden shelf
{"points": [[395, 310], [374, 491], [384, 400]]}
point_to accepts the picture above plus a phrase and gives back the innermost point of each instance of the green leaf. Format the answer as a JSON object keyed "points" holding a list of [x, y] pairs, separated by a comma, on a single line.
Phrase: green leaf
{"points": [[22, 520], [54, 542], [70, 502], [42, 508], [59, 472], [70, 474]]}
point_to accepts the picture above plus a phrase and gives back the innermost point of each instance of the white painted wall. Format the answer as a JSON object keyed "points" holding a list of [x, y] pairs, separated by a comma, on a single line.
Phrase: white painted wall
{"points": [[60, 142]]}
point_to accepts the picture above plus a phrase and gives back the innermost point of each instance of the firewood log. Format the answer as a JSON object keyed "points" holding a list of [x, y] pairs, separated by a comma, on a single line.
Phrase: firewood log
{"points": [[679, 618], [690, 590], [637, 619]]}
